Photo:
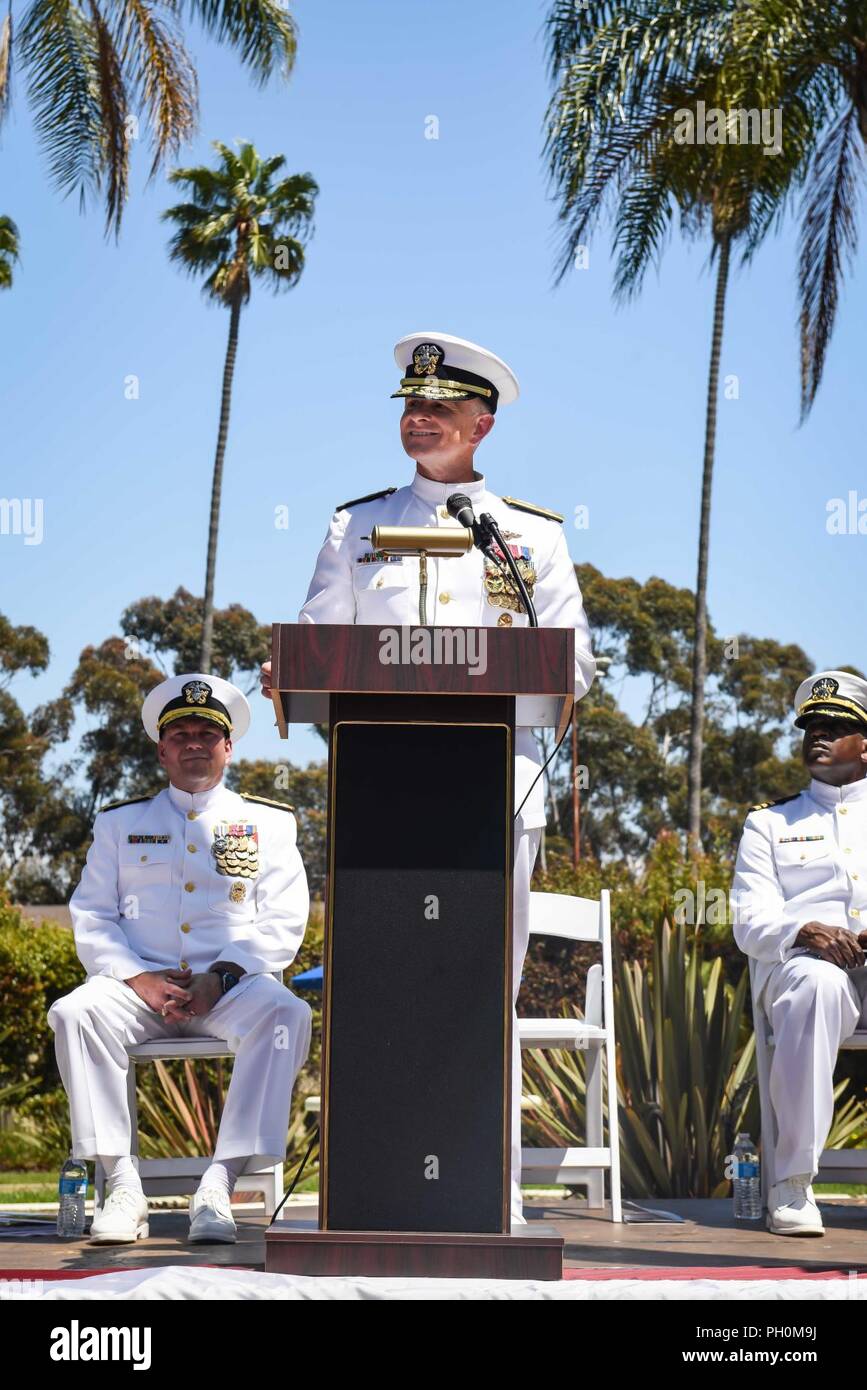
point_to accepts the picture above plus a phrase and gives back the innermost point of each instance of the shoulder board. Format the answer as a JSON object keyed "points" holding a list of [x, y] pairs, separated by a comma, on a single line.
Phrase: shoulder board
{"points": [[371, 497], [780, 801], [531, 507], [130, 801], [266, 801]]}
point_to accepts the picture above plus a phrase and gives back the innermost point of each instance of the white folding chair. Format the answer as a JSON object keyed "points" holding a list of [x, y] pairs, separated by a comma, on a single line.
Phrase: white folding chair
{"points": [[170, 1177], [835, 1165], [580, 919]]}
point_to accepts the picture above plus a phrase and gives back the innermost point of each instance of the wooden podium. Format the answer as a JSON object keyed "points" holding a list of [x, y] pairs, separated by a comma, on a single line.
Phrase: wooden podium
{"points": [[417, 1008]]}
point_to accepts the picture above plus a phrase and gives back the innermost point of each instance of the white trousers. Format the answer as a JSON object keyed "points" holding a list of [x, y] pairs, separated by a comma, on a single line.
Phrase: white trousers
{"points": [[526, 848], [812, 1006], [266, 1026]]}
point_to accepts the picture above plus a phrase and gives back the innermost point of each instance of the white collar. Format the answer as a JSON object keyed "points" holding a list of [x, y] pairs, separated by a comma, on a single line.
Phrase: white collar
{"points": [[834, 796], [429, 490], [196, 801]]}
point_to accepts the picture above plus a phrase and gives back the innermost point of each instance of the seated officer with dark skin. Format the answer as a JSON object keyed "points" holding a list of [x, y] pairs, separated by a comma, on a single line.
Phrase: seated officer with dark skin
{"points": [[835, 753], [800, 909]]}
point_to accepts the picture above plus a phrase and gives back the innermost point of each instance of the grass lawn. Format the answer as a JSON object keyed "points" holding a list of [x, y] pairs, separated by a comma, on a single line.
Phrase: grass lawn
{"points": [[23, 1187]]}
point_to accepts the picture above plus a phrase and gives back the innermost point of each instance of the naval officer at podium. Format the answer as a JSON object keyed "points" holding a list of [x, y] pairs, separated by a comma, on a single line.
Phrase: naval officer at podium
{"points": [[451, 390]]}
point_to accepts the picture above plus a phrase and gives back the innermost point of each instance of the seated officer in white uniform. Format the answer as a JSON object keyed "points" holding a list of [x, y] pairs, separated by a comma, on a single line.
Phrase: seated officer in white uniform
{"points": [[799, 902], [451, 390], [189, 902]]}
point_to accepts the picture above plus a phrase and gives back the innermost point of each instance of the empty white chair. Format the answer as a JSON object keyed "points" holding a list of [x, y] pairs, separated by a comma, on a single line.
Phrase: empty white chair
{"points": [[581, 919]]}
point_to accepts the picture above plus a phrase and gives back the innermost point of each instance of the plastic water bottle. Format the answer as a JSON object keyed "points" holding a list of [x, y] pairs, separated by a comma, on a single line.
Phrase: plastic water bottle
{"points": [[72, 1190], [747, 1182]]}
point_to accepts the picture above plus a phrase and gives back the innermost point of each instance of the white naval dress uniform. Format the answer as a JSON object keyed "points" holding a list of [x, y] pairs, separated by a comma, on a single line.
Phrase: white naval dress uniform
{"points": [[155, 895], [803, 860], [347, 589]]}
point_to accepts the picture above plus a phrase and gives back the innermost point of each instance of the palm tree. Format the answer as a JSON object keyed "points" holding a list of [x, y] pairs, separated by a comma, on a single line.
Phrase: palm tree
{"points": [[8, 251], [239, 224], [811, 60], [622, 80], [89, 68]]}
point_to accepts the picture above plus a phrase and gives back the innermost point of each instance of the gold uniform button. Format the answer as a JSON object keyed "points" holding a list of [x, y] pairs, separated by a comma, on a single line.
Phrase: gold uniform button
{"points": [[378, 584], [854, 875], [842, 810], [191, 848], [192, 815], [444, 513], [144, 859], [445, 598], [504, 620], [847, 850], [183, 965], [853, 912], [185, 926], [189, 887]]}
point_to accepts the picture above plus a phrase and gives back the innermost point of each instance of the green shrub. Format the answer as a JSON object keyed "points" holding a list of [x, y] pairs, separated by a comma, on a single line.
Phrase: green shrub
{"points": [[38, 963]]}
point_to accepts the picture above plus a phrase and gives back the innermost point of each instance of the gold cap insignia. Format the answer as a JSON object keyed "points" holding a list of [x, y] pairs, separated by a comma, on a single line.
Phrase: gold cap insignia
{"points": [[196, 692], [426, 359], [826, 687]]}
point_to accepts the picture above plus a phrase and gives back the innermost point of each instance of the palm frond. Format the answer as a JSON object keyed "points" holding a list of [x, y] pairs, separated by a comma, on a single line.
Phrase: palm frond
{"points": [[262, 31], [161, 77], [5, 62], [60, 53], [828, 240], [114, 111], [641, 227]]}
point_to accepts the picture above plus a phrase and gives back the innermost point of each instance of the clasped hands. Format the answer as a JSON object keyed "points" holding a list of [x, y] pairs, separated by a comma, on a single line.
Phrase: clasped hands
{"points": [[835, 944], [178, 994]]}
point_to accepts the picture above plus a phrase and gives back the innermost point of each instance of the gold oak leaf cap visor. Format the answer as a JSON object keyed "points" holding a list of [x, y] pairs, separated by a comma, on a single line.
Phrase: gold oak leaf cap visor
{"points": [[198, 695], [440, 367], [835, 694]]}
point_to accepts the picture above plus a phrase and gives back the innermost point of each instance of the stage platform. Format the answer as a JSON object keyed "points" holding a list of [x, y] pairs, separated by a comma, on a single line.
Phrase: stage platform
{"points": [[708, 1240]]}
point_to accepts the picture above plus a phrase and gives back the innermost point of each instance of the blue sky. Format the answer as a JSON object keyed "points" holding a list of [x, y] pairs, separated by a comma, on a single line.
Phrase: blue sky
{"points": [[454, 234]]}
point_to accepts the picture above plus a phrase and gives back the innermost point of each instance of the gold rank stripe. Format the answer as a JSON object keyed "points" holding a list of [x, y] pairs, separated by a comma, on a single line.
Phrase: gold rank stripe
{"points": [[195, 712], [838, 700], [441, 381]]}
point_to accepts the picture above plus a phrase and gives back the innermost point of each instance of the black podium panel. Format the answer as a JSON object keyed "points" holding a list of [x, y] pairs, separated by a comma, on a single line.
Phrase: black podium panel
{"points": [[418, 1000]]}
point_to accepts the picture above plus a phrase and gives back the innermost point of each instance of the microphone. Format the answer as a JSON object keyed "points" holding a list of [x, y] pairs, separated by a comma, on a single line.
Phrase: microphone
{"points": [[486, 535], [460, 507]]}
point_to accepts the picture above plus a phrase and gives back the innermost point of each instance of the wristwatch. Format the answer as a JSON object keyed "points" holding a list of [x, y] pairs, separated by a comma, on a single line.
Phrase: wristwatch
{"points": [[227, 980]]}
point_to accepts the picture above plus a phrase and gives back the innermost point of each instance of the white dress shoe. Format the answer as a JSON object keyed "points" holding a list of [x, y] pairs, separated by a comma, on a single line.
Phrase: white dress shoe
{"points": [[792, 1209], [123, 1219], [211, 1217]]}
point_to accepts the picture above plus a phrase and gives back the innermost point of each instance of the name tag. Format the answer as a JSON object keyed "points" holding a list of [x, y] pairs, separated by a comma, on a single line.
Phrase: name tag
{"points": [[148, 839]]}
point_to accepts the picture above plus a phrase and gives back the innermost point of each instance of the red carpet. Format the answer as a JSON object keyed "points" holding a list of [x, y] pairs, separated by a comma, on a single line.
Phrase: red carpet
{"points": [[87, 1273]]}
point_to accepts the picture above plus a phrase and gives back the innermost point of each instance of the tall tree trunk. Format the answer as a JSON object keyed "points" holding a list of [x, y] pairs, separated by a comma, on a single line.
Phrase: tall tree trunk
{"points": [[217, 487], [699, 659]]}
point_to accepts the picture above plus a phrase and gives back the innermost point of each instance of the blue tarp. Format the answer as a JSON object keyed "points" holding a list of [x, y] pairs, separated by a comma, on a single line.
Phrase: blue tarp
{"points": [[310, 979]]}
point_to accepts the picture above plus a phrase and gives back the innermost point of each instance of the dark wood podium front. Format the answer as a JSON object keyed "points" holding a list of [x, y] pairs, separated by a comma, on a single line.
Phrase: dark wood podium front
{"points": [[417, 1007]]}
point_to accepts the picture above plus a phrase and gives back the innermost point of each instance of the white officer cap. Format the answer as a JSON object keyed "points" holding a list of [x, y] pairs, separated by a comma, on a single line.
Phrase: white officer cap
{"points": [[204, 697], [837, 694], [440, 367]]}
